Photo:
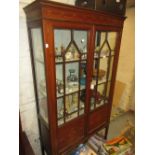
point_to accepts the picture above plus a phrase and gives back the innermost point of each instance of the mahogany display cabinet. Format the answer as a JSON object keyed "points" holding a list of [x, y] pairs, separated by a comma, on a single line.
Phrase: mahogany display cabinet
{"points": [[74, 53]]}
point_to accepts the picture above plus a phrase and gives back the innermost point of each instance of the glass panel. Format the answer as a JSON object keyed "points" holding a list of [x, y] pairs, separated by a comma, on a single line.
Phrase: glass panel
{"points": [[103, 69], [100, 39], [62, 39], [71, 103], [105, 50], [82, 102], [111, 67], [37, 46], [101, 91], [61, 42], [82, 97], [93, 90], [60, 111], [101, 46], [92, 102], [72, 77], [112, 37], [95, 97], [83, 73], [59, 80], [72, 53], [108, 89], [70, 56], [80, 38]]}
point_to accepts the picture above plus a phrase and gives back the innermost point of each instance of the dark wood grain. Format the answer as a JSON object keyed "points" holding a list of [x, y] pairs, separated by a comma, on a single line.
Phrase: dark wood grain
{"points": [[97, 118]]}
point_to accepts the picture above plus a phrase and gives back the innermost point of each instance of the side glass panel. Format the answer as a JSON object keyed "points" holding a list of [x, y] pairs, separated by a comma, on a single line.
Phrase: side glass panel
{"points": [[102, 68], [39, 65], [70, 63]]}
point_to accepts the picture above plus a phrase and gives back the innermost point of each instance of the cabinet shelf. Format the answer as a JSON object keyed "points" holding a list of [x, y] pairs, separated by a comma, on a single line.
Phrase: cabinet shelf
{"points": [[103, 56], [102, 81], [70, 61], [73, 91]]}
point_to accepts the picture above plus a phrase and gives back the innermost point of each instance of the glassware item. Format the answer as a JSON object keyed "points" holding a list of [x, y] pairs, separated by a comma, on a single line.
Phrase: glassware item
{"points": [[71, 103], [60, 86], [60, 108], [72, 53], [72, 78], [59, 80], [112, 37]]}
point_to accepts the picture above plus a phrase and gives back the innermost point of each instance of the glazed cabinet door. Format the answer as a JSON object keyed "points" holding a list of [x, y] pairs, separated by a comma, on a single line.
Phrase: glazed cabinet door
{"points": [[70, 56], [101, 78], [70, 65]]}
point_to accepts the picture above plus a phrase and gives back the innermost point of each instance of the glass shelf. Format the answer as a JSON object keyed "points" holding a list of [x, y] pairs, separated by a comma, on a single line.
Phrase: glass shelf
{"points": [[70, 91], [69, 61], [101, 81], [102, 56]]}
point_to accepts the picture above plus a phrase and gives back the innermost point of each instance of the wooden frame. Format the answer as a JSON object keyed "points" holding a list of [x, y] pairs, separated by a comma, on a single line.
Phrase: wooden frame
{"points": [[48, 16]]}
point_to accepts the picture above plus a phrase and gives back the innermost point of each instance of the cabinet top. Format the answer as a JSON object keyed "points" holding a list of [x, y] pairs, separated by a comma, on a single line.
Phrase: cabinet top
{"points": [[54, 10]]}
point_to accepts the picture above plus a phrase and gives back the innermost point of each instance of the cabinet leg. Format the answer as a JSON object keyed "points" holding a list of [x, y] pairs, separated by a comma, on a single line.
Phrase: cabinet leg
{"points": [[42, 150], [106, 132]]}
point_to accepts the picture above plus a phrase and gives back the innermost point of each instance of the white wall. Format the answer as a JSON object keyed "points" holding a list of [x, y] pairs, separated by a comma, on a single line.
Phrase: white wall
{"points": [[126, 65]]}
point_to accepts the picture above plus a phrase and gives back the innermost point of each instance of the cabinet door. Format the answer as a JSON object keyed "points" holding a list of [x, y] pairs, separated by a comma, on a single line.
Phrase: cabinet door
{"points": [[70, 65], [104, 54], [71, 53]]}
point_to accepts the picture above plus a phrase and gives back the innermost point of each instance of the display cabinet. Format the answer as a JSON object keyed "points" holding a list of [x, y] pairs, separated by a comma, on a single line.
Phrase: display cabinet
{"points": [[74, 53]]}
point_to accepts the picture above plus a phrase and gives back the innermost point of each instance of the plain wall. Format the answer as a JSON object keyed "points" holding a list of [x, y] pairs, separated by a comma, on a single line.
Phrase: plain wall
{"points": [[126, 64]]}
